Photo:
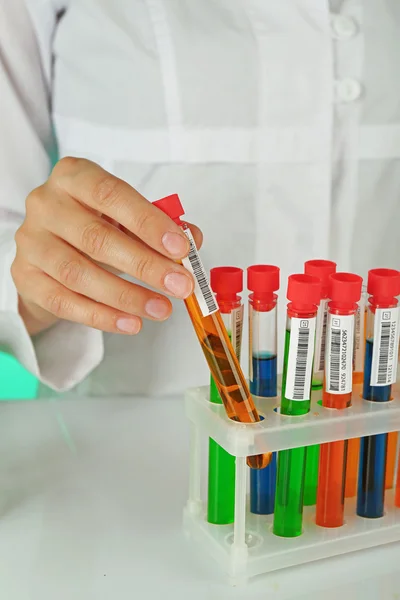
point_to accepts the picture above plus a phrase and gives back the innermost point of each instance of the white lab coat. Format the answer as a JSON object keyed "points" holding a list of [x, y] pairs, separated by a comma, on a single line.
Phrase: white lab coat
{"points": [[278, 123]]}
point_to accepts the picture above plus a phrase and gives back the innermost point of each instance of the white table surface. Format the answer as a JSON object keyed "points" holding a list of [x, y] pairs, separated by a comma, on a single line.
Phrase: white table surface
{"points": [[89, 512]]}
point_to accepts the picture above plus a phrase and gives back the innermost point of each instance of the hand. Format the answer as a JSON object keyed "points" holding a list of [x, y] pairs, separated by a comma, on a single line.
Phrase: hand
{"points": [[80, 225]]}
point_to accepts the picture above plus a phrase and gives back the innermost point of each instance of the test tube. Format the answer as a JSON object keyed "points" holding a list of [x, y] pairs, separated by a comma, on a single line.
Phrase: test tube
{"points": [[304, 294], [397, 493], [263, 281], [360, 324], [321, 269], [345, 292], [213, 337], [392, 441], [379, 374], [226, 283], [353, 445]]}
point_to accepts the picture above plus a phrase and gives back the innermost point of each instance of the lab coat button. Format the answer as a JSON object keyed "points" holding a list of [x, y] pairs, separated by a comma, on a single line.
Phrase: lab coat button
{"points": [[343, 28], [348, 90]]}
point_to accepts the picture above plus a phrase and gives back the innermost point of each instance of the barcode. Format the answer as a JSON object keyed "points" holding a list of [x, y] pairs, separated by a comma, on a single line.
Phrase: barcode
{"points": [[334, 361], [202, 291], [301, 364], [323, 342], [238, 331], [383, 360]]}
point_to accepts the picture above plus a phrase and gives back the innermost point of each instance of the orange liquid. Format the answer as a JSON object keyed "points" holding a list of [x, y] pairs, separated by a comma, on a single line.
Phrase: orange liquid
{"points": [[226, 371], [332, 471], [358, 377], [353, 452], [397, 496], [391, 459], [331, 484]]}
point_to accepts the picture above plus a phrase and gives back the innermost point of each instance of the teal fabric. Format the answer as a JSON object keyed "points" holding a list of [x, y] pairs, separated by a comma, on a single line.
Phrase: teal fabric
{"points": [[15, 382]]}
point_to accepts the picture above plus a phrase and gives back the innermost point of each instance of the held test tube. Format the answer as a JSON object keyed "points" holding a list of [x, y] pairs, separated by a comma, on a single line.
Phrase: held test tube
{"points": [[263, 281], [227, 283], [213, 337], [304, 294], [345, 292], [379, 374], [321, 269]]}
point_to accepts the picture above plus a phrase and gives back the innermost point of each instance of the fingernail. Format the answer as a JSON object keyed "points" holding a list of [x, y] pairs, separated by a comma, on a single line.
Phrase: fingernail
{"points": [[127, 325], [177, 245], [179, 285], [157, 308]]}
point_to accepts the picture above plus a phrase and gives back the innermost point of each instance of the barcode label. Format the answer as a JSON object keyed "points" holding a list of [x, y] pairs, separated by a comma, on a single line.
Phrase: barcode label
{"points": [[237, 328], [339, 354], [359, 336], [320, 336], [202, 289], [300, 359], [386, 340]]}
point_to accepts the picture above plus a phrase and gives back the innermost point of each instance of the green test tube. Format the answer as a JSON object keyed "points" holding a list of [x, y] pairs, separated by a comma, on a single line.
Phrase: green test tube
{"points": [[226, 282], [304, 292]]}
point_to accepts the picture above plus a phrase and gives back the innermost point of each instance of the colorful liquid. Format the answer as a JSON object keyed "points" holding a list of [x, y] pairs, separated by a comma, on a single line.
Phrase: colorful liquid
{"points": [[331, 484], [353, 453], [221, 485], [311, 475], [221, 475], [373, 452], [391, 459], [263, 481], [262, 489], [226, 371], [264, 382], [397, 495], [288, 514]]}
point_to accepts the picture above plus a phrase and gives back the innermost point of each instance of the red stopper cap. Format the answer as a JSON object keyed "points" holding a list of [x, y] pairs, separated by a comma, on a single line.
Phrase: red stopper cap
{"points": [[226, 280], [383, 283], [304, 290], [321, 269], [263, 279], [345, 288], [171, 206]]}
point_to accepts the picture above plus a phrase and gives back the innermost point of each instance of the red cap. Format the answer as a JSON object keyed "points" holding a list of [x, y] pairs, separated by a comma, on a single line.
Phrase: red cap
{"points": [[304, 291], [226, 281], [171, 206], [345, 289], [263, 279], [383, 283], [321, 269]]}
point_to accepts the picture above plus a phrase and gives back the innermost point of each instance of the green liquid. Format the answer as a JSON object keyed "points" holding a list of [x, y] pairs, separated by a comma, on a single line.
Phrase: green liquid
{"points": [[311, 475], [221, 477], [288, 514]]}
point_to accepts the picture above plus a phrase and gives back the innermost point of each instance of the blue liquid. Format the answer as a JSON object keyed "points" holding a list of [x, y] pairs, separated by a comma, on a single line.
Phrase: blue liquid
{"points": [[373, 392], [263, 481], [264, 381], [373, 450], [262, 489]]}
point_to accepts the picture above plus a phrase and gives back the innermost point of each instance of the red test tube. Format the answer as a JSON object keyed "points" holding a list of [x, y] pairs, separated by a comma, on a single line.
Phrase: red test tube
{"points": [[345, 292]]}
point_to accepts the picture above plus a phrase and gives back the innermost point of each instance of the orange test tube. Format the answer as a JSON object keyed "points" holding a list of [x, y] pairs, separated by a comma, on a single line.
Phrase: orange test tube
{"points": [[213, 337], [397, 495], [391, 459], [345, 292]]}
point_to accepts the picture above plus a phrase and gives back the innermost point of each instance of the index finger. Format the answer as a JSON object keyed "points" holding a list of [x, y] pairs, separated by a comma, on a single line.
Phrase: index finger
{"points": [[90, 184]]}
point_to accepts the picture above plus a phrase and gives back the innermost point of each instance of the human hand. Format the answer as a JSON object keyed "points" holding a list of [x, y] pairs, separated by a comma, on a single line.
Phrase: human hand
{"points": [[80, 225]]}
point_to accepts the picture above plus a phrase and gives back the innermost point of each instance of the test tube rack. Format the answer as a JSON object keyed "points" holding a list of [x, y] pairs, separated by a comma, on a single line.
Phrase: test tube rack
{"points": [[248, 547]]}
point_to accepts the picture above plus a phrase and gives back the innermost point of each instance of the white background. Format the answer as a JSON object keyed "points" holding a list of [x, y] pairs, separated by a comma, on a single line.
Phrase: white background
{"points": [[93, 492]]}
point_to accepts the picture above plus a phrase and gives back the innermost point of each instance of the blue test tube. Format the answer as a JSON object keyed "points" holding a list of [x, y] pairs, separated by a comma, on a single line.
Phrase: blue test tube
{"points": [[263, 281], [382, 339]]}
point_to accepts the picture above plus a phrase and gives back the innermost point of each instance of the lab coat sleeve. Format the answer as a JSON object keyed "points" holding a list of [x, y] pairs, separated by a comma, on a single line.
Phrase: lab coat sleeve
{"points": [[63, 355]]}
